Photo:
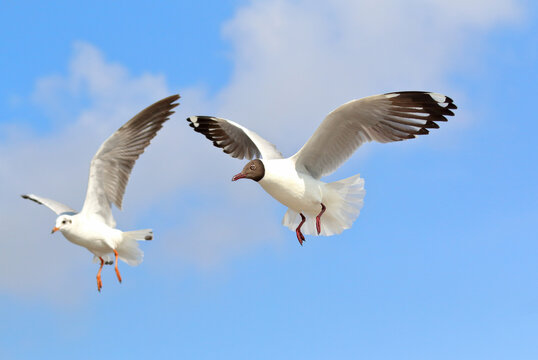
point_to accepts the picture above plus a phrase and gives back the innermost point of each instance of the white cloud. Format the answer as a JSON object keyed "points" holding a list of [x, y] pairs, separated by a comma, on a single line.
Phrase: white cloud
{"points": [[221, 231], [298, 60], [56, 166], [294, 61]]}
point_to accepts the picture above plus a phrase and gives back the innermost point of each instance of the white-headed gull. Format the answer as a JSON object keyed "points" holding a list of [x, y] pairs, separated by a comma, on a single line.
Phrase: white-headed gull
{"points": [[94, 227], [295, 181]]}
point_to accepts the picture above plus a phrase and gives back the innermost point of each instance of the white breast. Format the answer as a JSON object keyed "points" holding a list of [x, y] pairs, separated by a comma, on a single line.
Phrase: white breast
{"points": [[95, 236], [295, 190]]}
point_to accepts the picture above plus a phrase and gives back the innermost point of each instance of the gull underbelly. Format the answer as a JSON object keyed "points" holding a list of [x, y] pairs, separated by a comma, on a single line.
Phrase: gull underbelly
{"points": [[292, 189], [97, 246], [97, 237]]}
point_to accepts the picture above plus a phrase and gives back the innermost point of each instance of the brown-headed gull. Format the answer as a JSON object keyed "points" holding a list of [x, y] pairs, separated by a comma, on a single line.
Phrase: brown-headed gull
{"points": [[295, 181], [94, 227]]}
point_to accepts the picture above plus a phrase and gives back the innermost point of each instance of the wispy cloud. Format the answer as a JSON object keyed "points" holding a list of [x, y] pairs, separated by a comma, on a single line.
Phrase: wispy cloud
{"points": [[56, 166], [294, 61], [298, 60]]}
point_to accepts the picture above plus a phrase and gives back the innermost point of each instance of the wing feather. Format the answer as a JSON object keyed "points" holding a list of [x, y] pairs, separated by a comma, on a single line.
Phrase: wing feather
{"points": [[384, 118], [54, 205], [234, 139], [111, 166]]}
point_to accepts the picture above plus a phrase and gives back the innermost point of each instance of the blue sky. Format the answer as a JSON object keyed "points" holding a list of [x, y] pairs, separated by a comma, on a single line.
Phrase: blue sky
{"points": [[441, 263]]}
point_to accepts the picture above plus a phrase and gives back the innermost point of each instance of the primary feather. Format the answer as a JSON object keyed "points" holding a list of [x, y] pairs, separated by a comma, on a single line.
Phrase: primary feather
{"points": [[384, 118], [233, 138], [112, 164]]}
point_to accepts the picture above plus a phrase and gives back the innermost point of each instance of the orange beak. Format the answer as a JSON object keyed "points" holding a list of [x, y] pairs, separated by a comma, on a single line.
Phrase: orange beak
{"points": [[54, 229]]}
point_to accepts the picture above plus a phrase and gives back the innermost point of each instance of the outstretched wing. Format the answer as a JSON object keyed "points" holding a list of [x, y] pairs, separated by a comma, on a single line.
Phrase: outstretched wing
{"points": [[55, 206], [233, 138], [384, 118], [112, 164]]}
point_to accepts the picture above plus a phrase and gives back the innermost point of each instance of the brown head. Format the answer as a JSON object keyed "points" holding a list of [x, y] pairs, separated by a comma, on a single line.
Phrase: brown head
{"points": [[254, 170]]}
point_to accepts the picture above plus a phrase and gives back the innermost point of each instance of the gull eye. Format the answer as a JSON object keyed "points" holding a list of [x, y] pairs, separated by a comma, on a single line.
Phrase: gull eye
{"points": [[64, 221], [252, 167]]}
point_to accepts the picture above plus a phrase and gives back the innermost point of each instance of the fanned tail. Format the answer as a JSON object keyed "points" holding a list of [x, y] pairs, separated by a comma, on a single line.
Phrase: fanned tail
{"points": [[343, 199], [128, 249]]}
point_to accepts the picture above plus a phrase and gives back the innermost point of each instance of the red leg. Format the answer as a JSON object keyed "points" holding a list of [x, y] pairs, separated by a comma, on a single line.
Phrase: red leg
{"points": [[318, 218], [298, 232], [99, 282], [116, 266]]}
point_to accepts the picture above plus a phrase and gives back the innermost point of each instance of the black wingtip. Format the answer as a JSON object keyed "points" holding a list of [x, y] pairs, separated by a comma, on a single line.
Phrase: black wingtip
{"points": [[173, 98], [170, 101], [431, 125], [24, 196], [422, 131]]}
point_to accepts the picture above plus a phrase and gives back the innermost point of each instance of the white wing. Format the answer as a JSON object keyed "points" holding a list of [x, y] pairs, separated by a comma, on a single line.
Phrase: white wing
{"points": [[55, 206], [112, 164], [233, 138], [389, 117]]}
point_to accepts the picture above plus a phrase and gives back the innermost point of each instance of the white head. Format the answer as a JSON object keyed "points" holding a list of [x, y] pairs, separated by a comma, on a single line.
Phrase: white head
{"points": [[63, 222]]}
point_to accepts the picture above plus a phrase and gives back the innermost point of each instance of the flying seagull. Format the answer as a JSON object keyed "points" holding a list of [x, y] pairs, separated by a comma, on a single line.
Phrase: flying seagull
{"points": [[295, 181], [94, 227]]}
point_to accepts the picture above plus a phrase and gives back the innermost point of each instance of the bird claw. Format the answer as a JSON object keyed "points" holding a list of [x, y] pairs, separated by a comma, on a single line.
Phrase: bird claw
{"points": [[99, 282], [318, 218], [116, 266], [298, 232], [300, 236], [118, 275]]}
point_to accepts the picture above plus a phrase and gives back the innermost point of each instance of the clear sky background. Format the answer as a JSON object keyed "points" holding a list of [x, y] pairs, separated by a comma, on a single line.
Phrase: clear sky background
{"points": [[441, 263]]}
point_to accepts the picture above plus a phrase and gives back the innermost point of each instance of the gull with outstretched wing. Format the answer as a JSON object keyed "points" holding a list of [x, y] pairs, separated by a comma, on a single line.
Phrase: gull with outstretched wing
{"points": [[94, 227], [295, 181]]}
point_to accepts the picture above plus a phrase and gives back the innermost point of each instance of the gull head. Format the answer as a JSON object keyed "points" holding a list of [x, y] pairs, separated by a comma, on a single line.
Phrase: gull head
{"points": [[63, 222], [254, 170]]}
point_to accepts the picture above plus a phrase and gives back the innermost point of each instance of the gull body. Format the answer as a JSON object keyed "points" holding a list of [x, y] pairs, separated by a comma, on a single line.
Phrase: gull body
{"points": [[93, 234], [296, 190], [94, 227], [295, 181]]}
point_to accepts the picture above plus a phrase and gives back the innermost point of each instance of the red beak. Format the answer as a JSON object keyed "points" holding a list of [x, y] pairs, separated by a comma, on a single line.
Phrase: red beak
{"points": [[54, 229], [238, 176]]}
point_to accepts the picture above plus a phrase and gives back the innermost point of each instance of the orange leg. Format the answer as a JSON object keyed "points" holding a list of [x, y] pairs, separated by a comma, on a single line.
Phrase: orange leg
{"points": [[99, 282], [116, 266]]}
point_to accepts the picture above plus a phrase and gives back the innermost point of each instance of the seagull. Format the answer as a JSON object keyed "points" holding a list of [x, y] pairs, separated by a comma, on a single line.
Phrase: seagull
{"points": [[94, 227], [295, 181]]}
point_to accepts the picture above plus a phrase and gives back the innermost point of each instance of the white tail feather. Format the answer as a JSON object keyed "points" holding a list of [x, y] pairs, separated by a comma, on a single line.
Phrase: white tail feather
{"points": [[106, 259], [343, 200], [146, 234], [128, 249]]}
